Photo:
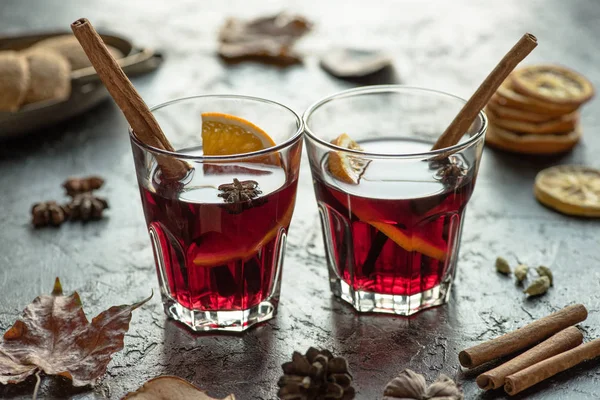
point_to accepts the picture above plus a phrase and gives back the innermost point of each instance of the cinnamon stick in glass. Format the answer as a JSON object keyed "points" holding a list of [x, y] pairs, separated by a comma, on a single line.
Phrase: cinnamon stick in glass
{"points": [[522, 338], [123, 92], [562, 341], [463, 120], [545, 369]]}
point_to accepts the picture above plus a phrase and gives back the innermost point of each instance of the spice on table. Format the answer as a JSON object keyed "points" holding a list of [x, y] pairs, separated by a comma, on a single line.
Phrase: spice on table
{"points": [[74, 186], [314, 376], [536, 373], [87, 206], [538, 286], [545, 271], [48, 213], [523, 337], [562, 341], [521, 272], [410, 385], [502, 266]]}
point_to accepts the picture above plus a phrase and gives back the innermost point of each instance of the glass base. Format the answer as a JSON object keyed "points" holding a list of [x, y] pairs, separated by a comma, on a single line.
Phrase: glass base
{"points": [[364, 301], [226, 321]]}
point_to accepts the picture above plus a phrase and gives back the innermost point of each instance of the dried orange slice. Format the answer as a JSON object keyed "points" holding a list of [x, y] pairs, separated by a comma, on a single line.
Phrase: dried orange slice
{"points": [[345, 167], [553, 84], [569, 189], [225, 134]]}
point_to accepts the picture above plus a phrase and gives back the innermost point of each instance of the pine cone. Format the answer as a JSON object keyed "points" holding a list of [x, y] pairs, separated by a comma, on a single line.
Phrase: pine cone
{"points": [[48, 213], [86, 206], [74, 186], [318, 375]]}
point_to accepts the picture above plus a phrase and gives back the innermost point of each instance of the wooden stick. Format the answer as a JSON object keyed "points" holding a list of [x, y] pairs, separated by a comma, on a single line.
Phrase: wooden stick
{"points": [[545, 369], [562, 341], [132, 105], [522, 338], [463, 120]]}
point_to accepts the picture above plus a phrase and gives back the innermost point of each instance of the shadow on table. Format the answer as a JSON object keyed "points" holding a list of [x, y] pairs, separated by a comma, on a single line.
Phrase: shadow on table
{"points": [[219, 362], [55, 387]]}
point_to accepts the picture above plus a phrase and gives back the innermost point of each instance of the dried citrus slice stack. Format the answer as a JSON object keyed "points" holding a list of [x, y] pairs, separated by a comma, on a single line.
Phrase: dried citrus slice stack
{"points": [[349, 169], [225, 134], [570, 189], [346, 167], [535, 110]]}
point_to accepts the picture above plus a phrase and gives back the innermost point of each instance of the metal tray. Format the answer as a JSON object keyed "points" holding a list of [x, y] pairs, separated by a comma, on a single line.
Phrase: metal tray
{"points": [[87, 89]]}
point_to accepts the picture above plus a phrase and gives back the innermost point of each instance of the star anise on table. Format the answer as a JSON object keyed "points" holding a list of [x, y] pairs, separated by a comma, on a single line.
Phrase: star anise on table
{"points": [[86, 206], [48, 213], [75, 186]]}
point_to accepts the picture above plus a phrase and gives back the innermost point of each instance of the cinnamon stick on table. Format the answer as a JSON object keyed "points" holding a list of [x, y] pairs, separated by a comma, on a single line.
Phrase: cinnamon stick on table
{"points": [[137, 113], [545, 369], [562, 341], [522, 338], [463, 120]]}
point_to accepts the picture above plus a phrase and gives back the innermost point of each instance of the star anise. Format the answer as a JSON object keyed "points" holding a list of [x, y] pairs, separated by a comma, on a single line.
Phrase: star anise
{"points": [[87, 206], [239, 191], [74, 186], [240, 195], [450, 171], [48, 213]]}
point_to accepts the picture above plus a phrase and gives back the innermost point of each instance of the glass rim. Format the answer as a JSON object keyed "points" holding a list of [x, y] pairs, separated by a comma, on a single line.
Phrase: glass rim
{"points": [[292, 139], [394, 88]]}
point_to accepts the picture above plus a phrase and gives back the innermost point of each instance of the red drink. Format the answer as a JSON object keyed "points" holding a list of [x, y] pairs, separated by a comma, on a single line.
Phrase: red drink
{"points": [[216, 255], [397, 231]]}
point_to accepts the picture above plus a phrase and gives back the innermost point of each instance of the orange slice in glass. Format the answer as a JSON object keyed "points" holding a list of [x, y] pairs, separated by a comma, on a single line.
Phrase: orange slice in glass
{"points": [[349, 169], [345, 167], [225, 134], [212, 256]]}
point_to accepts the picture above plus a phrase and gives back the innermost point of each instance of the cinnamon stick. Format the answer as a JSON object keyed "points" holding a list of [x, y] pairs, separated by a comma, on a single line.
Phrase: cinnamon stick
{"points": [[562, 341], [522, 338], [536, 373], [463, 120], [132, 105]]}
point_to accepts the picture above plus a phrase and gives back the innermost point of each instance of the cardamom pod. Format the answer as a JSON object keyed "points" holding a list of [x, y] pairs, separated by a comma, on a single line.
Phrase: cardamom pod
{"points": [[545, 271], [521, 272], [502, 266], [538, 287]]}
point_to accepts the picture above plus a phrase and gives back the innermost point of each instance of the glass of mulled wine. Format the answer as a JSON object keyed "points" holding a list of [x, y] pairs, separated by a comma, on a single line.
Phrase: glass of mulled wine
{"points": [[391, 208], [219, 232]]}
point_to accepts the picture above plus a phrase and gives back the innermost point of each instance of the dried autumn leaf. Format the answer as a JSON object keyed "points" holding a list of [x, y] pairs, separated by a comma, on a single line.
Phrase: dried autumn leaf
{"points": [[55, 336], [170, 387]]}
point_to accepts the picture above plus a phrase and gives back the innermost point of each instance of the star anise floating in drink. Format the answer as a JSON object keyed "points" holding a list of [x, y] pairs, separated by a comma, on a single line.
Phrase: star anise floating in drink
{"points": [[84, 204], [240, 195], [450, 171]]}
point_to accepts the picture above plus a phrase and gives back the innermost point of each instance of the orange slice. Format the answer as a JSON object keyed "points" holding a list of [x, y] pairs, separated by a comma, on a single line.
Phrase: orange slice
{"points": [[345, 167], [408, 243], [349, 169], [212, 258], [225, 134]]}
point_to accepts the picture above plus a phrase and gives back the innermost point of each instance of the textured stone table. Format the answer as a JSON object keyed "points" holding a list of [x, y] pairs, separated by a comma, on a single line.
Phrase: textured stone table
{"points": [[436, 45]]}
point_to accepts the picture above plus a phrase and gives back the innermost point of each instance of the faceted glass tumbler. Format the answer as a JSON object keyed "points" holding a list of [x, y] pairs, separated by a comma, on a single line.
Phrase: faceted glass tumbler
{"points": [[219, 233], [391, 209]]}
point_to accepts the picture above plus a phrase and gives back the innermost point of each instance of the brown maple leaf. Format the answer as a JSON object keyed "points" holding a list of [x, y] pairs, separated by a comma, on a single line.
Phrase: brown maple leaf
{"points": [[55, 336], [170, 387]]}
